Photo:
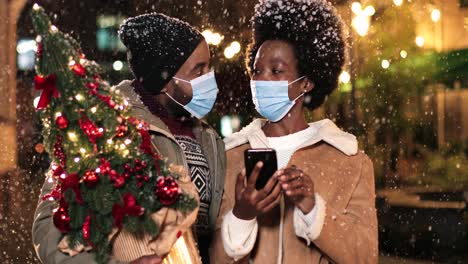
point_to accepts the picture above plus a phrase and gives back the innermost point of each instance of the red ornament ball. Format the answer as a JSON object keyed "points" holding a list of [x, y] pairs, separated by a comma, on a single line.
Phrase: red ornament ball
{"points": [[62, 219], [167, 190], [119, 182], [90, 178], [61, 122], [79, 70], [113, 174]]}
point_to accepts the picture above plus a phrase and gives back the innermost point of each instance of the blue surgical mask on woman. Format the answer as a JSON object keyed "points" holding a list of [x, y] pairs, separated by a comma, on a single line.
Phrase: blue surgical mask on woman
{"points": [[204, 92], [271, 98]]}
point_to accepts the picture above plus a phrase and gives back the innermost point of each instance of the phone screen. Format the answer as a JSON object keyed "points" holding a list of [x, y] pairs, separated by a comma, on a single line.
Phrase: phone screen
{"points": [[270, 165]]}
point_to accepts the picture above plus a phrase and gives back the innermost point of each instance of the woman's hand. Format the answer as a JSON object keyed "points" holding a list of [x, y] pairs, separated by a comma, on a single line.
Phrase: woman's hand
{"points": [[298, 187], [151, 259], [251, 202]]}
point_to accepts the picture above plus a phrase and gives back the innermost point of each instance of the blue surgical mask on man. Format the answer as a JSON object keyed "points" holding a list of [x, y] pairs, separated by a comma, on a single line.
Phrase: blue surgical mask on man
{"points": [[204, 92], [271, 98]]}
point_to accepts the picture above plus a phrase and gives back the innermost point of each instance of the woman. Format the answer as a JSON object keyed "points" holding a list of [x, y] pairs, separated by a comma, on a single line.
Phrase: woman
{"points": [[319, 207]]}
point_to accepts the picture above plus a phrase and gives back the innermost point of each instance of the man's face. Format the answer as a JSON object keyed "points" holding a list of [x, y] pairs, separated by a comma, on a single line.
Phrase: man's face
{"points": [[195, 66]]}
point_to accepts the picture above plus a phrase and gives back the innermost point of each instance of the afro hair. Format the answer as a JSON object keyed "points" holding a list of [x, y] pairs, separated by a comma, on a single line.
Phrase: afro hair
{"points": [[315, 30]]}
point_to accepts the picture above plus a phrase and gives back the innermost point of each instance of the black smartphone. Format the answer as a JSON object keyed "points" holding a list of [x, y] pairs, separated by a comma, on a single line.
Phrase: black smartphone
{"points": [[270, 165]]}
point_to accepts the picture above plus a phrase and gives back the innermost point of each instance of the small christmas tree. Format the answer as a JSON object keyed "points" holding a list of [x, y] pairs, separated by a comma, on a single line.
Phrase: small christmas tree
{"points": [[107, 174]]}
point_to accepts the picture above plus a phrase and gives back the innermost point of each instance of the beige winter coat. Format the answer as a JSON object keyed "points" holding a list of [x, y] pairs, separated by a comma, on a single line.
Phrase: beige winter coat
{"points": [[344, 180]]}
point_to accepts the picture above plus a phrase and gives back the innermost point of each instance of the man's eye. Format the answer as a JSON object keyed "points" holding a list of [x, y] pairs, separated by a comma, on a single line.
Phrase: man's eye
{"points": [[277, 71], [255, 71]]}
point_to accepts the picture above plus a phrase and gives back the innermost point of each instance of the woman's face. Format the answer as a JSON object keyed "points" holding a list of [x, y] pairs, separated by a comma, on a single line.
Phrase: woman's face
{"points": [[276, 61]]}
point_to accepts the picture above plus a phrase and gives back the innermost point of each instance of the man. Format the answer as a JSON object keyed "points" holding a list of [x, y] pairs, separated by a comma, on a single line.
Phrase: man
{"points": [[172, 90]]}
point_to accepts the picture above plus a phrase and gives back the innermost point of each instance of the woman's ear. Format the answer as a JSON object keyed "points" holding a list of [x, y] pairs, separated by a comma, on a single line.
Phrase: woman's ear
{"points": [[307, 85]]}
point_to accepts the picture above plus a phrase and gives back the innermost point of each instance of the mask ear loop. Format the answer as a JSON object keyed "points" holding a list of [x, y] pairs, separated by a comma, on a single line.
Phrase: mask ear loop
{"points": [[182, 80], [174, 99], [302, 94], [299, 96], [298, 79]]}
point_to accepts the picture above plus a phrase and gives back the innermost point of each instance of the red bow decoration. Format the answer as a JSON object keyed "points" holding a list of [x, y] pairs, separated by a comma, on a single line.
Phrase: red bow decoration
{"points": [[129, 207], [48, 85], [72, 181]]}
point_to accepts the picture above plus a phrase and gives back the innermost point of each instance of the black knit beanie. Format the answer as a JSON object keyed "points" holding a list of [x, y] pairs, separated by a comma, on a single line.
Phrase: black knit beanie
{"points": [[158, 45]]}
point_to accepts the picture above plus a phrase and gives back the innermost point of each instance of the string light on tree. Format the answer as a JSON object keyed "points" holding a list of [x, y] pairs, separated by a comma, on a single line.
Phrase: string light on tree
{"points": [[72, 136], [79, 97]]}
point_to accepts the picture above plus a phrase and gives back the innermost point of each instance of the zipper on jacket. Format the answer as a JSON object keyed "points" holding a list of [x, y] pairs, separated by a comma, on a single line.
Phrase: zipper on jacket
{"points": [[215, 151]]}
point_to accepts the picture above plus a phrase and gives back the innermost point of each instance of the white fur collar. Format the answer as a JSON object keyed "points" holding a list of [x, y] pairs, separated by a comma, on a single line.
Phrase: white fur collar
{"points": [[326, 131]]}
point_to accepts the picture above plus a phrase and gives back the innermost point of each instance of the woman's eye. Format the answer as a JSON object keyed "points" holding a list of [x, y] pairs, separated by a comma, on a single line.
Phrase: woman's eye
{"points": [[276, 71], [255, 71]]}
